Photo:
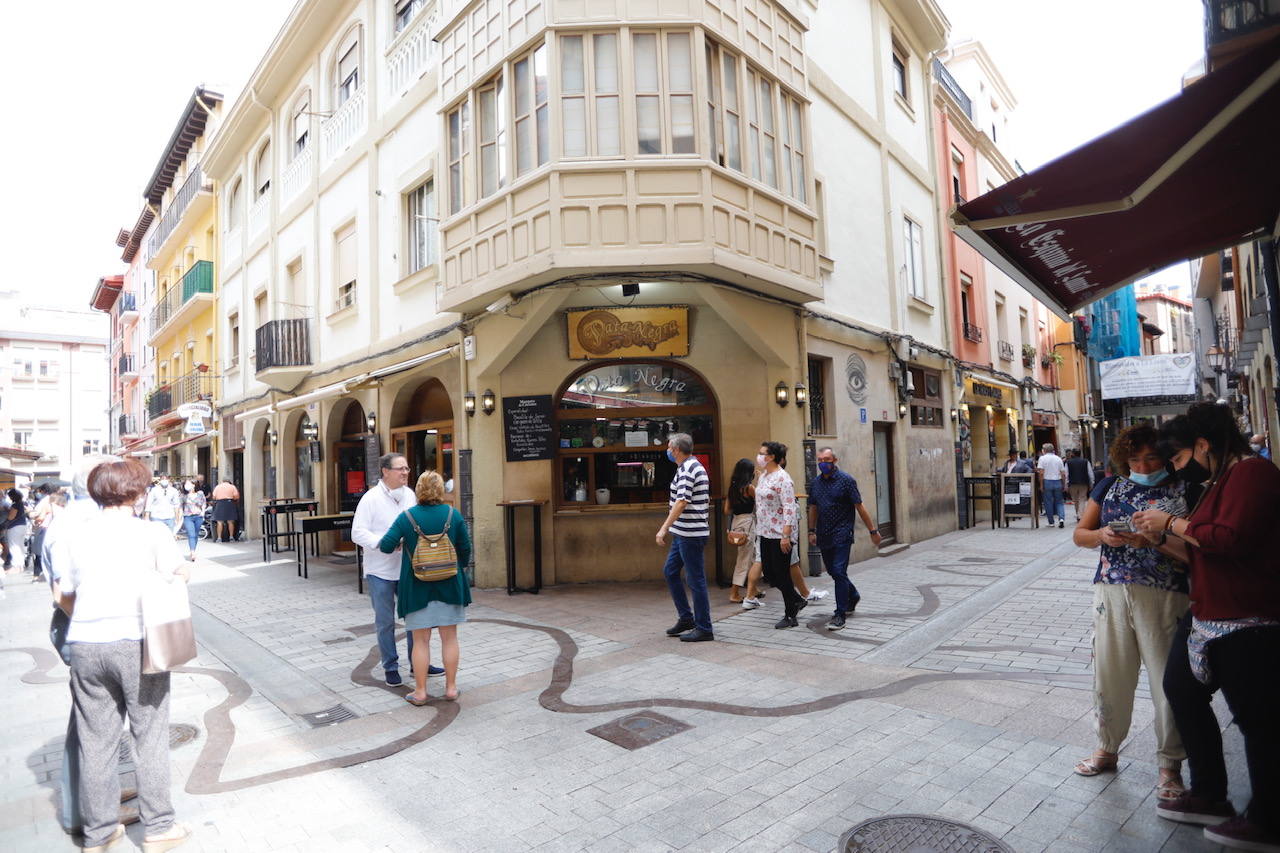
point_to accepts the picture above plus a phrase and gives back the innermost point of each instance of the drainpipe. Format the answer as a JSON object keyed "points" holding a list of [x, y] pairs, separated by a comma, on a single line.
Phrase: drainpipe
{"points": [[809, 444]]}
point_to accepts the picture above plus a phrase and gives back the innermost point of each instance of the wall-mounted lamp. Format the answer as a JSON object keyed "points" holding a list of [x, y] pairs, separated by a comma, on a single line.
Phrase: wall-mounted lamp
{"points": [[955, 414], [310, 431], [902, 410], [469, 404], [781, 394], [371, 421], [275, 437], [1106, 424], [802, 395], [990, 409], [488, 402]]}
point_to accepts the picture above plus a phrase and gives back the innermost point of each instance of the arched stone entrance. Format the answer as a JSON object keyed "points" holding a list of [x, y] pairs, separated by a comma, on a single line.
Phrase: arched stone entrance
{"points": [[347, 429], [422, 430]]}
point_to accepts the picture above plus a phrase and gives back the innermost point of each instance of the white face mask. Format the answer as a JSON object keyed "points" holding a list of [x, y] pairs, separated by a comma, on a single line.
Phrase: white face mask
{"points": [[191, 487], [1255, 447], [164, 484], [761, 460]]}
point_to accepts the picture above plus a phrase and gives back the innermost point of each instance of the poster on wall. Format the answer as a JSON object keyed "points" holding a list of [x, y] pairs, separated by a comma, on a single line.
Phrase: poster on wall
{"points": [[650, 331], [1148, 376]]}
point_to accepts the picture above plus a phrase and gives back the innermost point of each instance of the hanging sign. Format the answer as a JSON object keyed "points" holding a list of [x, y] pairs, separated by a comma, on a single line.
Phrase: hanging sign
{"points": [[613, 332]]}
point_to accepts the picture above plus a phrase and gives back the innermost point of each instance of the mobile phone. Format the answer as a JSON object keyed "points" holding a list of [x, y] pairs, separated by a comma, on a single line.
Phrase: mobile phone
{"points": [[1124, 525]]}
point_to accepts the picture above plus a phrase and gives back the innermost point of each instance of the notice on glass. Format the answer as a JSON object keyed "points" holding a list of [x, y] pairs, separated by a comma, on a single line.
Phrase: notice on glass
{"points": [[637, 438]]}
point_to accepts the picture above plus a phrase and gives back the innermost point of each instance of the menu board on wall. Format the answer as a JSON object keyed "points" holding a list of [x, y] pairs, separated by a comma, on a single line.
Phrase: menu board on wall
{"points": [[372, 452], [529, 427]]}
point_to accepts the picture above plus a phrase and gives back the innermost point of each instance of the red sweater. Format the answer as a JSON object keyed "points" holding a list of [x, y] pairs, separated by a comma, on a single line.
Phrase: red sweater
{"points": [[1235, 573]]}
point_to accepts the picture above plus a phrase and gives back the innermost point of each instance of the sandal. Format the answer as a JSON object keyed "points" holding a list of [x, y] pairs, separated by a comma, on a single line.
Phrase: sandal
{"points": [[416, 702], [1170, 788], [454, 697], [1099, 762]]}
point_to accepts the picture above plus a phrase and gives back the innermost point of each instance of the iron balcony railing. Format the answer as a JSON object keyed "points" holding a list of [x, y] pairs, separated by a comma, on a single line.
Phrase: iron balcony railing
{"points": [[128, 302], [973, 333], [283, 343], [126, 364], [128, 425], [952, 88], [198, 279], [1225, 20], [1006, 351], [169, 220], [188, 388]]}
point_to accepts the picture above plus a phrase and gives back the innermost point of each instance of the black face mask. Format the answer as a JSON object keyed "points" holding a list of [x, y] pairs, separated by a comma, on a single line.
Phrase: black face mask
{"points": [[1193, 472]]}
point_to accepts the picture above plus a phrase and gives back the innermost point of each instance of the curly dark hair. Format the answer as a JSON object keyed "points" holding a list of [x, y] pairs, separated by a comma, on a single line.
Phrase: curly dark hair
{"points": [[1214, 423], [777, 450], [1130, 442]]}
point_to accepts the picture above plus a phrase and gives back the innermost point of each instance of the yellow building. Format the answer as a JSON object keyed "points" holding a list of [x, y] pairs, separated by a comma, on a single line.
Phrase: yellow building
{"points": [[181, 247]]}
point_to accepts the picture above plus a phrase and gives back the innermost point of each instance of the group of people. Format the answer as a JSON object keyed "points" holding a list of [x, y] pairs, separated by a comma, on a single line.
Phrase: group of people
{"points": [[1062, 479], [764, 525], [183, 507], [1186, 587]]}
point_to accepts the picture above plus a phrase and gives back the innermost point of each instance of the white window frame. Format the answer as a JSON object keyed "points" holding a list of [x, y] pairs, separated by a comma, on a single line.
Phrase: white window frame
{"points": [[531, 116], [458, 155], [346, 85], [234, 204], [261, 181], [403, 12], [599, 95], [300, 125], [793, 147], [233, 339], [345, 286], [913, 258], [491, 141], [725, 106], [421, 233], [669, 95], [762, 127], [900, 70]]}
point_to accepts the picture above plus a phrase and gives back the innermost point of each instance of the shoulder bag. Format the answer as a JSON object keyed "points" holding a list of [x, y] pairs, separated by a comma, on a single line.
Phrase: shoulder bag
{"points": [[168, 639], [433, 557]]}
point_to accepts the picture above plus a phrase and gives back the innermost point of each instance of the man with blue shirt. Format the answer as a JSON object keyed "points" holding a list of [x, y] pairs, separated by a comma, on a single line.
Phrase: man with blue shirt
{"points": [[833, 500], [687, 523]]}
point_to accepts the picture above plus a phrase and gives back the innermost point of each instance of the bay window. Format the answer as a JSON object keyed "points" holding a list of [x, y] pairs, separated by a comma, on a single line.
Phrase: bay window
{"points": [[532, 135], [590, 117], [492, 109], [664, 101], [724, 111], [792, 146], [761, 133]]}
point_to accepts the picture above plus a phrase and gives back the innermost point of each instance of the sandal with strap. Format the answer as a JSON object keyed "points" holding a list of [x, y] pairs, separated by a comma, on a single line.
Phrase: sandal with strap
{"points": [[1099, 762], [1170, 788]]}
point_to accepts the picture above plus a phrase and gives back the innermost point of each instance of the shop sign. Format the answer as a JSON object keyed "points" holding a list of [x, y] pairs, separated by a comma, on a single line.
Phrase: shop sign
{"points": [[981, 389], [614, 332], [1044, 419]]}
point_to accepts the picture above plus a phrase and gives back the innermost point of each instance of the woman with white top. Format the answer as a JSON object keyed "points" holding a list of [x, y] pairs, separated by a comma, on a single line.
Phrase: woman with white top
{"points": [[114, 558], [776, 519]]}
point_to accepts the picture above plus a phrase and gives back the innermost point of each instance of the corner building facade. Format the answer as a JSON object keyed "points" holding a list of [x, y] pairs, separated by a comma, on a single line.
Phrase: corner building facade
{"points": [[576, 227]]}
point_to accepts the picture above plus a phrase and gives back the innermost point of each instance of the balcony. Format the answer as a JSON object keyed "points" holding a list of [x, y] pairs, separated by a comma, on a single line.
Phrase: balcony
{"points": [[127, 305], [127, 426], [345, 125], [297, 175], [283, 353], [952, 88], [411, 54], [189, 388], [1028, 355], [1006, 351], [973, 333], [183, 300], [259, 216], [126, 367], [1228, 20], [191, 200]]}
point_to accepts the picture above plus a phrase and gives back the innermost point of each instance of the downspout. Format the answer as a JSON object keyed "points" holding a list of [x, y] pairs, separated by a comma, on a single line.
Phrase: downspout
{"points": [[809, 444]]}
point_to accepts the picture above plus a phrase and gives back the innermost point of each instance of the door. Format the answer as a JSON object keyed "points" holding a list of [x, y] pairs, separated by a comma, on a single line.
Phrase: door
{"points": [[202, 463], [428, 447], [883, 438], [349, 483]]}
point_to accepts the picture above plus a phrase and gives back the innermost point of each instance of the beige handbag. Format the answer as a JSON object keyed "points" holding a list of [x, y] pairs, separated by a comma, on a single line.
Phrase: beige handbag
{"points": [[741, 528], [168, 638]]}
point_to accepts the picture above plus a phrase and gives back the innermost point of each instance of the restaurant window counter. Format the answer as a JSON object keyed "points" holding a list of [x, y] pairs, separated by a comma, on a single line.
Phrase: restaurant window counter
{"points": [[605, 478]]}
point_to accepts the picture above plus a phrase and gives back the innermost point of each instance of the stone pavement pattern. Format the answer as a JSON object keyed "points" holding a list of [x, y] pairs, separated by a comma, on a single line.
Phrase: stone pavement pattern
{"points": [[960, 689]]}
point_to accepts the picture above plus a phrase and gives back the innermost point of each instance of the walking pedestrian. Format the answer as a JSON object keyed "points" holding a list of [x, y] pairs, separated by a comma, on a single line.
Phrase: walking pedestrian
{"points": [[1017, 463], [1054, 471], [193, 507], [1233, 638], [377, 511], [226, 500], [164, 505], [776, 518], [1079, 481], [38, 522], [439, 604], [1139, 594], [112, 558], [834, 500], [689, 502], [15, 531], [740, 508]]}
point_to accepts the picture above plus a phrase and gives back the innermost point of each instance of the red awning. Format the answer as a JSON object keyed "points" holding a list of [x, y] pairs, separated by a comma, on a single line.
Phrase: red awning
{"points": [[1191, 176], [140, 451]]}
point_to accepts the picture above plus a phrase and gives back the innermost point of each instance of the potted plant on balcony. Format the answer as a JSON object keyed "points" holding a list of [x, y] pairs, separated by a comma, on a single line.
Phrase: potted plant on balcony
{"points": [[1051, 359], [1028, 355]]}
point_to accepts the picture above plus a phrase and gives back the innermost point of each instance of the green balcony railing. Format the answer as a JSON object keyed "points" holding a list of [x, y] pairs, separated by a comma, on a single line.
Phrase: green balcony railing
{"points": [[198, 279]]}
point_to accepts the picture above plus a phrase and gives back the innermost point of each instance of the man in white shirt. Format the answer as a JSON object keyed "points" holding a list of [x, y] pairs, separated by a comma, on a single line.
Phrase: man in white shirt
{"points": [[377, 511], [162, 504], [1054, 471]]}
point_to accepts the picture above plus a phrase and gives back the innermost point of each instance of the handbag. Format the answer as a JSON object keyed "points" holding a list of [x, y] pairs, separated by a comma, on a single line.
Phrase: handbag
{"points": [[168, 638], [433, 557], [740, 529]]}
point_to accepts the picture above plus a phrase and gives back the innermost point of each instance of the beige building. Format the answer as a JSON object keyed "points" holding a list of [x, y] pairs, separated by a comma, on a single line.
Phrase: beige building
{"points": [[523, 242]]}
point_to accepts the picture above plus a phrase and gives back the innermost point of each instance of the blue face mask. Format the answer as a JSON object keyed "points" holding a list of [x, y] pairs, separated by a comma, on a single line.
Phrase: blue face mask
{"points": [[1149, 479], [826, 467], [671, 455]]}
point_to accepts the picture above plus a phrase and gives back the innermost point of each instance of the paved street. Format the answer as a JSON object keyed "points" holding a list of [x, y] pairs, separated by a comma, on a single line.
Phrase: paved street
{"points": [[960, 689]]}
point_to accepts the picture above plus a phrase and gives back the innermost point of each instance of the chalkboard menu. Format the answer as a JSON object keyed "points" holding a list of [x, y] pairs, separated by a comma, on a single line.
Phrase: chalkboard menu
{"points": [[529, 428], [372, 452], [1017, 496]]}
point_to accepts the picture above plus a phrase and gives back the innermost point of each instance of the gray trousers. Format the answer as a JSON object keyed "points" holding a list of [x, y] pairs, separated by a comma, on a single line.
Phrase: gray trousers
{"points": [[107, 682]]}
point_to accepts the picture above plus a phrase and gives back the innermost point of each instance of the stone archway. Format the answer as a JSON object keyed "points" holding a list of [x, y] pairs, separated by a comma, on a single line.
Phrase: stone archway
{"points": [[422, 428]]}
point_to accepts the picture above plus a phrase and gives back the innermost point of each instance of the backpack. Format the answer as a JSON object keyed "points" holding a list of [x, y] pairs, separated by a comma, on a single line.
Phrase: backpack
{"points": [[434, 558]]}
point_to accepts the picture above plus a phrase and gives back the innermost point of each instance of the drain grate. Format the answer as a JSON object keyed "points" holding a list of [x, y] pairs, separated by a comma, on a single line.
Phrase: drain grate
{"points": [[920, 834], [181, 733], [977, 560], [636, 730], [329, 716]]}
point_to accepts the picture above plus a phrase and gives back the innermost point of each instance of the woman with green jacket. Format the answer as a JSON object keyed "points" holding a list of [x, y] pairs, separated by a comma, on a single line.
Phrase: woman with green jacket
{"points": [[431, 604]]}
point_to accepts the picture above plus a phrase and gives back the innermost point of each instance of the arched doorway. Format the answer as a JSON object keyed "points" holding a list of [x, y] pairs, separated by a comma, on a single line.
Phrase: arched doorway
{"points": [[304, 472], [422, 430], [268, 466], [348, 456]]}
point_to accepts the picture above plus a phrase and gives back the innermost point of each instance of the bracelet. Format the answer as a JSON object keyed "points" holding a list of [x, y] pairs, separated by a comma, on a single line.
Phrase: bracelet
{"points": [[1163, 537]]}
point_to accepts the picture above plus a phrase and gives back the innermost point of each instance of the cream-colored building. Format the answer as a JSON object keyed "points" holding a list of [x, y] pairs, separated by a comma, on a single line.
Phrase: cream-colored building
{"points": [[523, 241]]}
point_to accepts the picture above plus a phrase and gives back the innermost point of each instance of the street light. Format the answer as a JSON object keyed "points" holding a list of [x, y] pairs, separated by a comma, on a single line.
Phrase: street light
{"points": [[469, 404], [371, 421], [781, 394], [1217, 358], [802, 395]]}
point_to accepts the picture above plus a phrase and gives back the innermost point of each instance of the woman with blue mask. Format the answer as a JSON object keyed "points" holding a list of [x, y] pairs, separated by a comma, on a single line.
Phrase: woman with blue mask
{"points": [[1139, 594]]}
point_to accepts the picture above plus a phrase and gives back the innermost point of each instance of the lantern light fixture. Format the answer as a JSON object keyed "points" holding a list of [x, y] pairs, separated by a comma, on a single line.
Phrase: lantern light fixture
{"points": [[488, 402], [371, 421], [802, 395], [955, 414], [310, 430], [469, 404], [275, 437], [782, 394], [902, 410]]}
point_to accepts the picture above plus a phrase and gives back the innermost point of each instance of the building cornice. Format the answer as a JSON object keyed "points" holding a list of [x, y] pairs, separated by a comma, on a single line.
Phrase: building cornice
{"points": [[978, 51], [979, 139], [190, 127], [926, 20]]}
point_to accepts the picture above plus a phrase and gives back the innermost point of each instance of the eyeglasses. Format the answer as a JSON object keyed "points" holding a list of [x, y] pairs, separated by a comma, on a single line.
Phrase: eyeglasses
{"points": [[402, 468]]}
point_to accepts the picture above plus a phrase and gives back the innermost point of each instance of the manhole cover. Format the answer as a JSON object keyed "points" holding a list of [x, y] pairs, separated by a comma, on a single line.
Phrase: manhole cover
{"points": [[181, 733], [636, 730], [918, 833], [329, 716]]}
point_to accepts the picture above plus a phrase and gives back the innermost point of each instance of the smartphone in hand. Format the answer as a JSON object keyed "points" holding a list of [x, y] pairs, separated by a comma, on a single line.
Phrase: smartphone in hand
{"points": [[1123, 525]]}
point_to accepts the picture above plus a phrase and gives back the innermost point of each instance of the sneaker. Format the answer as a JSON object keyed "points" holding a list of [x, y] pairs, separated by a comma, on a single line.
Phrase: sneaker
{"points": [[697, 635], [434, 671], [1192, 809], [680, 627], [786, 622], [750, 603], [817, 594], [116, 835], [393, 678], [836, 623], [1060, 525], [1239, 833], [853, 605], [176, 836]]}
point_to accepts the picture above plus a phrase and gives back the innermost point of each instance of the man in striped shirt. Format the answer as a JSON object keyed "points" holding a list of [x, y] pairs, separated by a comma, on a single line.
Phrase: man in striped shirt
{"points": [[687, 522]]}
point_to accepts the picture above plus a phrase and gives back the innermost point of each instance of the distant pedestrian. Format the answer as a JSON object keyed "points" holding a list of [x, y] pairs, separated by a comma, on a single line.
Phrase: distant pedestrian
{"points": [[776, 519], [689, 502], [425, 605], [164, 505], [193, 507], [834, 500], [110, 561], [1258, 444], [1079, 480], [1054, 471], [41, 514], [15, 531], [378, 509], [1017, 463], [226, 509], [740, 509]]}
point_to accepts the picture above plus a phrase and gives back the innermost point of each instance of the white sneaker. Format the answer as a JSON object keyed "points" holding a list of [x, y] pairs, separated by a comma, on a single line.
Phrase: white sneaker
{"points": [[817, 594], [750, 603]]}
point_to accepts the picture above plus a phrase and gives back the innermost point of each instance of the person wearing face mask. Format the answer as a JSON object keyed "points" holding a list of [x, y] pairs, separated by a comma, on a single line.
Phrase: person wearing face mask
{"points": [[687, 523], [776, 518], [833, 500], [1231, 638], [163, 504], [1258, 444], [1139, 594], [193, 507]]}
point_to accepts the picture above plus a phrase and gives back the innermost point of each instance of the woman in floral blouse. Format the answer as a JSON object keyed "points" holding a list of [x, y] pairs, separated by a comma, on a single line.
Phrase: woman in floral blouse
{"points": [[776, 518], [193, 506], [1139, 594]]}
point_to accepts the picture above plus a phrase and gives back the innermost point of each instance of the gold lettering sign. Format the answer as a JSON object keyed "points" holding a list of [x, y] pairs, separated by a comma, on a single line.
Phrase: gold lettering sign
{"points": [[648, 331]]}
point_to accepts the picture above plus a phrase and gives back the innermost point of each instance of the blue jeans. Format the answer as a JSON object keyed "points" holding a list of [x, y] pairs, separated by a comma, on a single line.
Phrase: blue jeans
{"points": [[1054, 504], [383, 595], [836, 559], [686, 553], [191, 524]]}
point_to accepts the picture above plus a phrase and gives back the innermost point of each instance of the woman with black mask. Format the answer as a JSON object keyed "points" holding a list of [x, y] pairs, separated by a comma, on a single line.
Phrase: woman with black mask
{"points": [[1231, 639]]}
